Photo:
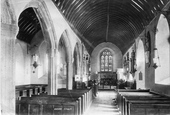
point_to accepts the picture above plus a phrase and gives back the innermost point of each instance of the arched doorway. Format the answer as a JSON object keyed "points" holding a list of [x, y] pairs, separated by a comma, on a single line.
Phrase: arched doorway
{"points": [[162, 52]]}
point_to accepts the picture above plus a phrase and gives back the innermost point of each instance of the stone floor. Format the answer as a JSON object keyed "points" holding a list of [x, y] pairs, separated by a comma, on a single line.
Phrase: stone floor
{"points": [[104, 104]]}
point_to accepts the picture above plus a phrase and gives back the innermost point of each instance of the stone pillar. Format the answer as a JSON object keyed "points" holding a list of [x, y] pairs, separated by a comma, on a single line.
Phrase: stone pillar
{"points": [[52, 76], [24, 93], [50, 79], [40, 89], [7, 67], [17, 95], [36, 91], [70, 76], [45, 90], [31, 92]]}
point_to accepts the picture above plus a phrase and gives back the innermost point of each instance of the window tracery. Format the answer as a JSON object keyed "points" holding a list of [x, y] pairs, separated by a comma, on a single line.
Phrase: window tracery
{"points": [[106, 61]]}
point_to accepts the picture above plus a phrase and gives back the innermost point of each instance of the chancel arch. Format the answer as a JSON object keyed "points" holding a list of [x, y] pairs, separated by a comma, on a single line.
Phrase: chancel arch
{"points": [[105, 60], [95, 56]]}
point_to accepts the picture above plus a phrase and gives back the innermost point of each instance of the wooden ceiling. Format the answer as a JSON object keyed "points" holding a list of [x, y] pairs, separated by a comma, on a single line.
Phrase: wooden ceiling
{"points": [[97, 21]]}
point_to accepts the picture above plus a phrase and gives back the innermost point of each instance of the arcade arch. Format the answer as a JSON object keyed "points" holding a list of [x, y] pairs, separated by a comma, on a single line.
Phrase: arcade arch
{"points": [[47, 35], [162, 52], [140, 61], [65, 61]]}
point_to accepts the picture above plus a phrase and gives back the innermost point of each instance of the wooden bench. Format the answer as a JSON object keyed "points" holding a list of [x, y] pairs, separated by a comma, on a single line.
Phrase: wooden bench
{"points": [[126, 99], [136, 96], [133, 90], [145, 101], [85, 95], [148, 108], [67, 102], [72, 97], [47, 106], [123, 92]]}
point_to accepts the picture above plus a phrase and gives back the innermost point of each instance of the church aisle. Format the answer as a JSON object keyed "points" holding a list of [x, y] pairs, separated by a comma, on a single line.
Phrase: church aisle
{"points": [[104, 104]]}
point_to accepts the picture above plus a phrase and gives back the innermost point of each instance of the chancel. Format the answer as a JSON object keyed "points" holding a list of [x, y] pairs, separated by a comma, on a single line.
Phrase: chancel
{"points": [[85, 57]]}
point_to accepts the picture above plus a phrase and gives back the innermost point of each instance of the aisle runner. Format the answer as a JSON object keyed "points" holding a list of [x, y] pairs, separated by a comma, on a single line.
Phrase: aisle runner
{"points": [[104, 104]]}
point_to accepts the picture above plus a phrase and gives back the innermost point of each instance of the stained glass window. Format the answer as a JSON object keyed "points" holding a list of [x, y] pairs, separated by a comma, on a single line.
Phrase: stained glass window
{"points": [[106, 61]]}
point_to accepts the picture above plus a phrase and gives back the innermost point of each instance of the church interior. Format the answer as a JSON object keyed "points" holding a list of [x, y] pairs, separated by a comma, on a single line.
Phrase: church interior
{"points": [[68, 57]]}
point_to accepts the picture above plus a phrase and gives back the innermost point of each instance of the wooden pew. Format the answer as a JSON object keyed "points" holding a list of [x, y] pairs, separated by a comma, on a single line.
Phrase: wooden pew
{"points": [[133, 90], [125, 99], [122, 92], [149, 108], [137, 96], [86, 95], [82, 93], [145, 100], [47, 106], [74, 100], [72, 97]]}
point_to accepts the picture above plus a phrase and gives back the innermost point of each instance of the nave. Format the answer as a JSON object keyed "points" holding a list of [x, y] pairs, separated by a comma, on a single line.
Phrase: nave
{"points": [[95, 102], [50, 49], [129, 102]]}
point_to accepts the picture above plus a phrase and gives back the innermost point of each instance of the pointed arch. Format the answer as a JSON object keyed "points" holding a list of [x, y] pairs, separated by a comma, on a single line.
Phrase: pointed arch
{"points": [[140, 61], [65, 42], [162, 52]]}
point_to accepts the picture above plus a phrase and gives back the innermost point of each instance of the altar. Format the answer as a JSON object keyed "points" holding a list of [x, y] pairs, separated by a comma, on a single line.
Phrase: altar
{"points": [[107, 80]]}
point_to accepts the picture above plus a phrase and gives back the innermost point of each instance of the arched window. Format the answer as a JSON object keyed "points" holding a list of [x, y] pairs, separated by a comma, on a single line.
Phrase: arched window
{"points": [[106, 61]]}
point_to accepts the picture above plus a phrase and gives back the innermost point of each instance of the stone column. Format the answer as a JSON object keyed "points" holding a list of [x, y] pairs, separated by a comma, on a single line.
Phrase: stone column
{"points": [[24, 93], [52, 76], [17, 95], [70, 76], [36, 91], [7, 63], [30, 92], [40, 89]]}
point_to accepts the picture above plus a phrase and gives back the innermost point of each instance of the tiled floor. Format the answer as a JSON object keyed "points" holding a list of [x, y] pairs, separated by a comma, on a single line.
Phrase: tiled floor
{"points": [[104, 104]]}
